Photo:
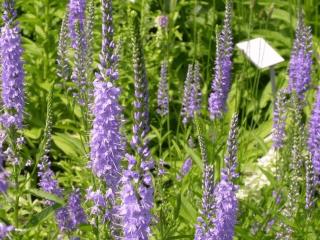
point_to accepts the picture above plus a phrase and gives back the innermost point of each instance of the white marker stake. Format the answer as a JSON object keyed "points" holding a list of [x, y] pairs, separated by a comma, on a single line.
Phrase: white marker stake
{"points": [[262, 55]]}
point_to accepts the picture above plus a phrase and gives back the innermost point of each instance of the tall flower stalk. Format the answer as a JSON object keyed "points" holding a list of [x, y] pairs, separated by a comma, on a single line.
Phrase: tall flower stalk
{"points": [[141, 92], [222, 73], [314, 137], [226, 203], [106, 144], [12, 69], [191, 103], [301, 59], [139, 142], [204, 221], [163, 91], [279, 120]]}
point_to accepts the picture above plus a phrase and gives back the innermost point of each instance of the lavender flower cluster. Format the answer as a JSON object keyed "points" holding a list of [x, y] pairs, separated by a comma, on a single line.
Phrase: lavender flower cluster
{"points": [[191, 103], [222, 76], [12, 73], [218, 215], [301, 60]]}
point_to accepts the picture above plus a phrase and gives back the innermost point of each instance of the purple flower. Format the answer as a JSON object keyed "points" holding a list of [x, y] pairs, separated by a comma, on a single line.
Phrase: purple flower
{"points": [[222, 77], [136, 203], [191, 103], [226, 206], [76, 211], [12, 69], [3, 180], [77, 15], [48, 183], [5, 230], [99, 201], [106, 141], [162, 21], [301, 59], [163, 91], [314, 136], [279, 120], [185, 168], [63, 219]]}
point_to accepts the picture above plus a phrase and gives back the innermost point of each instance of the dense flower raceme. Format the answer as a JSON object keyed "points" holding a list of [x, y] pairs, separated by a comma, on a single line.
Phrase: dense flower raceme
{"points": [[301, 60], [134, 210], [191, 103], [12, 69], [219, 204], [226, 203], [222, 76], [279, 120], [163, 91], [141, 124], [77, 15], [108, 56], [107, 148], [226, 206], [204, 224], [106, 142], [70, 216], [314, 137]]}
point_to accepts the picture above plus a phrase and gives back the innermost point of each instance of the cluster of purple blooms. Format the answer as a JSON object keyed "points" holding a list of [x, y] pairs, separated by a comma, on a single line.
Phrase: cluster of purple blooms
{"points": [[222, 76], [163, 91], [12, 69], [191, 102], [219, 203], [314, 137], [301, 60]]}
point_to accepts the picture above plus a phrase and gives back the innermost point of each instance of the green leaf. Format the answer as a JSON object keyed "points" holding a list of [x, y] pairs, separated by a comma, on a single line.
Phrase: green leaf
{"points": [[45, 195], [41, 216]]}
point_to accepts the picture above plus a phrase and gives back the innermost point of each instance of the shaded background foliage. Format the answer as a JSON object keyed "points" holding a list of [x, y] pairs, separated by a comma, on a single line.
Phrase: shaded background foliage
{"points": [[191, 37]]}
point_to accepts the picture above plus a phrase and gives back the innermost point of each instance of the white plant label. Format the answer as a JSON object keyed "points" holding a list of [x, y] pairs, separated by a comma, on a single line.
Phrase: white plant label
{"points": [[260, 53]]}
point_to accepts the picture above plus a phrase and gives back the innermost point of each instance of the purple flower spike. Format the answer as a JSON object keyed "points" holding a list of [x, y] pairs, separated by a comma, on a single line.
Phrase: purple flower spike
{"points": [[314, 137], [230, 158], [279, 120], [77, 215], [136, 203], [204, 221], [77, 15], [191, 103], [12, 69], [106, 141], [222, 77], [301, 60], [163, 91], [107, 148], [226, 206], [185, 168]]}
